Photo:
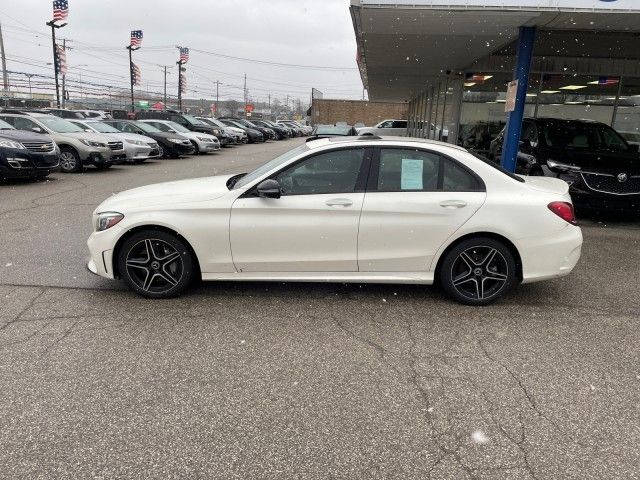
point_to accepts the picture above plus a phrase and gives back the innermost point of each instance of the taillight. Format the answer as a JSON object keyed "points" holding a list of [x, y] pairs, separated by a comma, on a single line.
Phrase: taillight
{"points": [[564, 210]]}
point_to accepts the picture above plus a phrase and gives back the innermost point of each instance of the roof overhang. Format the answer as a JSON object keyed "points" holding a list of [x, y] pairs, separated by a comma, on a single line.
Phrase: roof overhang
{"points": [[401, 46]]}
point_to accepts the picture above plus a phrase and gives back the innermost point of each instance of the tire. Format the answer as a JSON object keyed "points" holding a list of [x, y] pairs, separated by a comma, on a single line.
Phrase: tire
{"points": [[69, 160], [138, 161], [478, 271], [195, 145], [156, 264]]}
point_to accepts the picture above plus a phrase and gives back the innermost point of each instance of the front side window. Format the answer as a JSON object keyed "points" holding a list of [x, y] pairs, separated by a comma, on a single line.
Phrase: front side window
{"points": [[387, 124], [331, 172]]}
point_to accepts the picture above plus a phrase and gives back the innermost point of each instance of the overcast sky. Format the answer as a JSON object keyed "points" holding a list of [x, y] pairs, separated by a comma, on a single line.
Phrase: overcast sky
{"points": [[302, 32]]}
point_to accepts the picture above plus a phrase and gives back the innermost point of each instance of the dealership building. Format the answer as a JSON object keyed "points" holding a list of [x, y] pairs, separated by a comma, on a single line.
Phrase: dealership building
{"points": [[467, 68]]}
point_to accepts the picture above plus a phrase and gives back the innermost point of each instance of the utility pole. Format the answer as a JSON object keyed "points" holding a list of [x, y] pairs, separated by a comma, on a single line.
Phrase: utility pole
{"points": [[165, 86], [5, 78], [56, 67], [217, 97], [29, 75], [245, 95]]}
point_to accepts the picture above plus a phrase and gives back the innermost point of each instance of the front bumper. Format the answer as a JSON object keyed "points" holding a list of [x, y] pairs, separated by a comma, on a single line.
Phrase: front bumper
{"points": [[207, 147], [21, 163], [138, 152]]}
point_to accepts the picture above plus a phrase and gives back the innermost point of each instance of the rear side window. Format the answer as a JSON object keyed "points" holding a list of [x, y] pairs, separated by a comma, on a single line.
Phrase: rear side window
{"points": [[401, 170], [400, 124]]}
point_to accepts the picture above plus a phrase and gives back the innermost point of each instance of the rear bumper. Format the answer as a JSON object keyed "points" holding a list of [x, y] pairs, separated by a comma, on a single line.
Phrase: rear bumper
{"points": [[548, 257]]}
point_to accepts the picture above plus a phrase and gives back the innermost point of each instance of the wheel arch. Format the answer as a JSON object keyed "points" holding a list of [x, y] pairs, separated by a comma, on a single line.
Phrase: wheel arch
{"points": [[496, 236], [140, 228]]}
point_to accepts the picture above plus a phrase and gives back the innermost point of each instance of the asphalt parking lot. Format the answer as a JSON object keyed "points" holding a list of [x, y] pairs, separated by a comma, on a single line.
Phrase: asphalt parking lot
{"points": [[301, 380]]}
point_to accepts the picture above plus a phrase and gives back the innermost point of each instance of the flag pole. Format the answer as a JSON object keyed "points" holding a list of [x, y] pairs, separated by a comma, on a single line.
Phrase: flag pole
{"points": [[131, 78], [56, 67], [179, 62]]}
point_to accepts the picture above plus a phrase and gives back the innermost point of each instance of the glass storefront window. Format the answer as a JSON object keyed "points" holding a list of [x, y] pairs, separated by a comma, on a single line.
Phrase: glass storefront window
{"points": [[627, 120]]}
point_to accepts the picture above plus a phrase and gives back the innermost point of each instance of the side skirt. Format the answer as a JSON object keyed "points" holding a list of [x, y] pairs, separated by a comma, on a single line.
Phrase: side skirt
{"points": [[420, 278]]}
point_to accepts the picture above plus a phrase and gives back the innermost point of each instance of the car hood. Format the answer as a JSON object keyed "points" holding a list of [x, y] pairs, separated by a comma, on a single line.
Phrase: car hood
{"points": [[167, 193], [23, 136], [94, 137], [607, 162], [134, 136]]}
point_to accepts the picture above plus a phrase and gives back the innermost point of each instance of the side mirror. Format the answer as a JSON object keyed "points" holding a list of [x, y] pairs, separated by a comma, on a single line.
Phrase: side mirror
{"points": [[37, 130], [269, 189]]}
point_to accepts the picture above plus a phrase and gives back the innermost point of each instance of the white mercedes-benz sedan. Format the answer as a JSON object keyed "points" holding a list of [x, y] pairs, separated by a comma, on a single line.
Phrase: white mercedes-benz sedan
{"points": [[357, 209]]}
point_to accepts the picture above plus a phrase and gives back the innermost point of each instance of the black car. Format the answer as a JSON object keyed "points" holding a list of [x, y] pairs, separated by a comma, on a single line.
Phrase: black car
{"points": [[26, 155], [602, 169], [253, 135], [281, 132], [188, 121], [172, 145], [267, 133]]}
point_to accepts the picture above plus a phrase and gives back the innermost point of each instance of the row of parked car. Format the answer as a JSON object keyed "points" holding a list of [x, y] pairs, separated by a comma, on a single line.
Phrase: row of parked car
{"points": [[34, 143]]}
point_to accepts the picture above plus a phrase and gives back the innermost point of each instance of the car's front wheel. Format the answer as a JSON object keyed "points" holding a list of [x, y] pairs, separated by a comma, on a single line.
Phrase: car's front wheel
{"points": [[69, 160], [156, 264], [478, 271]]}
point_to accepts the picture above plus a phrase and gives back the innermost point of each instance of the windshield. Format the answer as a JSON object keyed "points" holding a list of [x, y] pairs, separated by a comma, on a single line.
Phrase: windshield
{"points": [[216, 122], [5, 126], [102, 127], [194, 120], [258, 172], [147, 128], [333, 130], [60, 125]]}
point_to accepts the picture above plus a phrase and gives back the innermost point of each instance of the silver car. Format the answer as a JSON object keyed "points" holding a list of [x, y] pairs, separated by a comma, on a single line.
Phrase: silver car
{"points": [[138, 148]]}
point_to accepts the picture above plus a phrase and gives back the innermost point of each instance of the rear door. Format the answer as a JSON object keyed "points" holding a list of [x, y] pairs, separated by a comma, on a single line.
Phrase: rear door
{"points": [[399, 128], [415, 200]]}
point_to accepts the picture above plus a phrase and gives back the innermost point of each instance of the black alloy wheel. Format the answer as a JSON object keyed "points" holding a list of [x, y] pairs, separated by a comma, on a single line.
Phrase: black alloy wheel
{"points": [[156, 264], [478, 271]]}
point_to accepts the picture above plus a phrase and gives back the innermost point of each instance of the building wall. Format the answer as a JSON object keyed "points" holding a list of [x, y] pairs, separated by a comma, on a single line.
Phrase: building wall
{"points": [[356, 111]]}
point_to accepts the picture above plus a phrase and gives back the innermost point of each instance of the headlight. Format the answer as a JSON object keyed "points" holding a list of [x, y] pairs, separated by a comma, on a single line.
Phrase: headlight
{"points": [[91, 143], [175, 140], [216, 131], [204, 139], [107, 220], [136, 142], [5, 142], [562, 167]]}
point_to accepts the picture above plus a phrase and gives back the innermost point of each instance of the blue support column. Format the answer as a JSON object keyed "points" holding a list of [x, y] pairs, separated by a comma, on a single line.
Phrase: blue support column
{"points": [[514, 119]]}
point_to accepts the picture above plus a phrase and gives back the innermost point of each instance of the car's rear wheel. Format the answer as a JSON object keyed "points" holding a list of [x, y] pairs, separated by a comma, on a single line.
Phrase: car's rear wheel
{"points": [[69, 160], [478, 271], [156, 264]]}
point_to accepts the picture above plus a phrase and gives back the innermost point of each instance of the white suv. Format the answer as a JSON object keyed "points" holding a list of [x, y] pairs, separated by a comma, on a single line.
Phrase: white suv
{"points": [[396, 128]]}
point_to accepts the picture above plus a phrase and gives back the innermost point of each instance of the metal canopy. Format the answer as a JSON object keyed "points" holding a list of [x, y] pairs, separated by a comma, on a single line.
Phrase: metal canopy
{"points": [[402, 46]]}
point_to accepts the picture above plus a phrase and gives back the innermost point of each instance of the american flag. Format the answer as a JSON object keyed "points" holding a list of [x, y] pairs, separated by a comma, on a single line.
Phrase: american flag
{"points": [[608, 81], [135, 74], [184, 55], [183, 83], [136, 38], [60, 10], [61, 60]]}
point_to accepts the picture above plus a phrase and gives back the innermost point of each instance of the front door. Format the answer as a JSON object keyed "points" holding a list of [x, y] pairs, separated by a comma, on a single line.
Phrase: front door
{"points": [[415, 201], [313, 226]]}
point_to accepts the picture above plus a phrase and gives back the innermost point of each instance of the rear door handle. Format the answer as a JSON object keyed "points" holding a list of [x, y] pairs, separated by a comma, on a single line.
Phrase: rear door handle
{"points": [[453, 204], [339, 202]]}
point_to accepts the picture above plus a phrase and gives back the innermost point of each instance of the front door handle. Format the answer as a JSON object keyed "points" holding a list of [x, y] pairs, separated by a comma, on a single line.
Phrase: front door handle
{"points": [[453, 204], [339, 202]]}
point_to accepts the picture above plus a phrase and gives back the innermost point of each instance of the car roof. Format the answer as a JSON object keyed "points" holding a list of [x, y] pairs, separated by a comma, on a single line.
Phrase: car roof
{"points": [[376, 140], [565, 120]]}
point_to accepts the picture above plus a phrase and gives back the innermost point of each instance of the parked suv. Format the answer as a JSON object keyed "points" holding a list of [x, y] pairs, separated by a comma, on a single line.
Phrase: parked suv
{"points": [[77, 147], [26, 155], [138, 148], [239, 135], [187, 121], [601, 167], [202, 142], [397, 128]]}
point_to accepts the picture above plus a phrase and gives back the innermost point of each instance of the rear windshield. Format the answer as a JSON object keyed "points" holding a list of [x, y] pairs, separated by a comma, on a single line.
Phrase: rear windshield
{"points": [[498, 167]]}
